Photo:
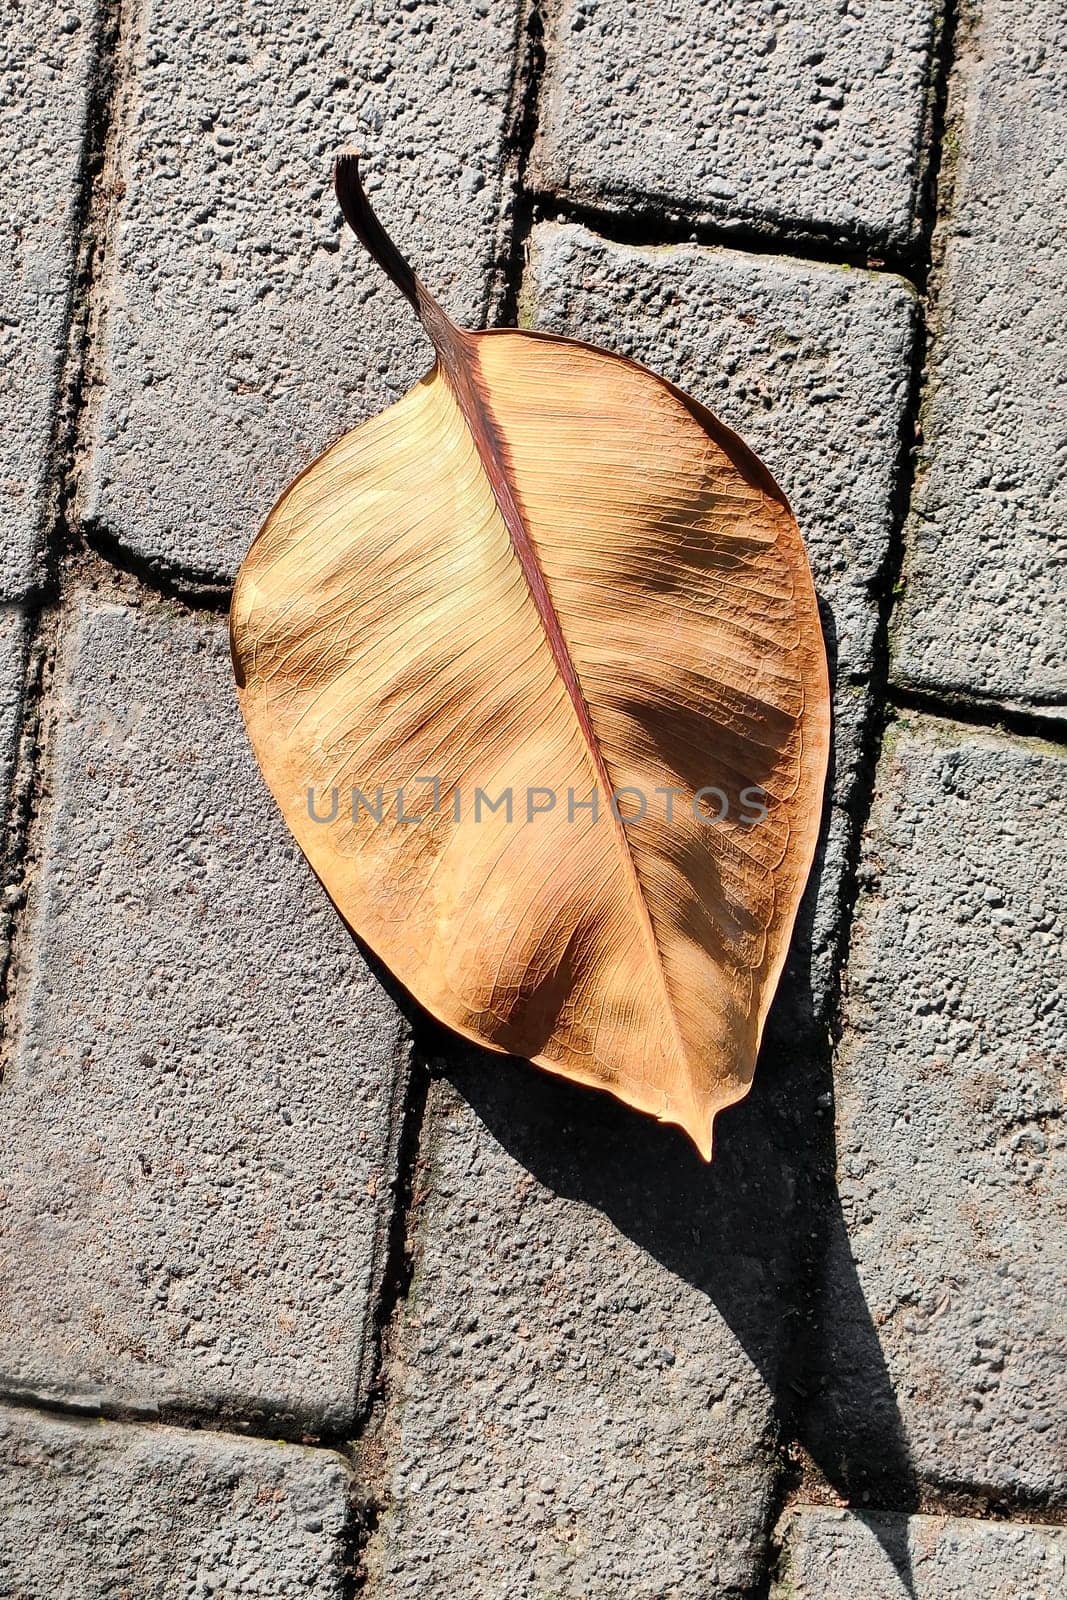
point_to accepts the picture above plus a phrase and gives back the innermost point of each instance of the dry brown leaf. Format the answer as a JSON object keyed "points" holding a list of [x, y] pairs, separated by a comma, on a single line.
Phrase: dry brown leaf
{"points": [[546, 570]]}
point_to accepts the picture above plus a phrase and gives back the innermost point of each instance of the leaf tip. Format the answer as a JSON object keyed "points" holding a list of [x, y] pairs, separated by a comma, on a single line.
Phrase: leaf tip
{"points": [[703, 1136], [698, 1125]]}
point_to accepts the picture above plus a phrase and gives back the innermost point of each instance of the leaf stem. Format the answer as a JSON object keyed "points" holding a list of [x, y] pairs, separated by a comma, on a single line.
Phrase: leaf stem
{"points": [[359, 214]]}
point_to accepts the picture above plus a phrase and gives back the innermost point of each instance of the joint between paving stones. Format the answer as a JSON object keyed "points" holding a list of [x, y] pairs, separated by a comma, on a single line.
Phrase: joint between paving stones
{"points": [[394, 1268], [943, 1497], [1048, 723], [23, 805], [523, 117], [272, 1426], [90, 227], [653, 226], [133, 1416], [883, 591], [940, 176], [58, 536], [371, 1495], [74, 549], [774, 1546], [91, 548], [930, 193], [197, 589], [782, 1490], [949, 1498], [360, 1527], [398, 1256]]}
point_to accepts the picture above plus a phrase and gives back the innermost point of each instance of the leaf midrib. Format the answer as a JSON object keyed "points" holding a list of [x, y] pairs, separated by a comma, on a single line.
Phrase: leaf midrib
{"points": [[462, 371]]}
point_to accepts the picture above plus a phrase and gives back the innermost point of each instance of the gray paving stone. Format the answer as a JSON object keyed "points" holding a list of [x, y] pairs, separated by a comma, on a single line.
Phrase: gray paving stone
{"points": [[582, 1388], [839, 1555], [808, 362], [104, 1511], [196, 1138], [809, 116], [986, 583], [949, 1145], [44, 86], [247, 327]]}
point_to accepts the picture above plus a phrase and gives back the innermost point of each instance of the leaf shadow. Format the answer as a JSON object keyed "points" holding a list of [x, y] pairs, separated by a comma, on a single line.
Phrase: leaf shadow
{"points": [[760, 1230]]}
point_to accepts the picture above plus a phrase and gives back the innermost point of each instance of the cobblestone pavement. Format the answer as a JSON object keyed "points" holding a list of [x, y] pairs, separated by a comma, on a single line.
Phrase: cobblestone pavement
{"points": [[298, 1295]]}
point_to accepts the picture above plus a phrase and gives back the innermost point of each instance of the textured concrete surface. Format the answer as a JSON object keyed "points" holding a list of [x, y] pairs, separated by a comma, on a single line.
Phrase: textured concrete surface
{"points": [[197, 1152], [45, 81], [840, 1555], [810, 364], [581, 1396], [609, 1358], [986, 583], [804, 116], [949, 1095], [247, 328], [104, 1511]]}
